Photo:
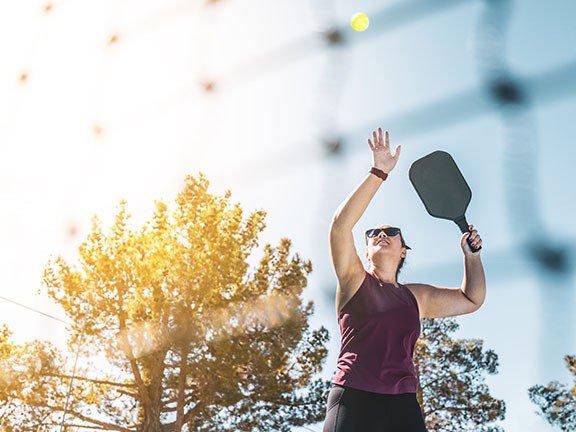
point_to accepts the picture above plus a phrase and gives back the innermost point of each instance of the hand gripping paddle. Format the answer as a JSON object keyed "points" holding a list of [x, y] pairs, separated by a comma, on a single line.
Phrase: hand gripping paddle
{"points": [[442, 188]]}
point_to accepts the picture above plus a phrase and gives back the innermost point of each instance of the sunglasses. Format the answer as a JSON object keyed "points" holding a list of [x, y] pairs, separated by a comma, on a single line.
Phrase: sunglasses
{"points": [[390, 232]]}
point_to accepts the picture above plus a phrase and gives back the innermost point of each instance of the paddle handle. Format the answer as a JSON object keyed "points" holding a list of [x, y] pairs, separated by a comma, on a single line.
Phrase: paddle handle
{"points": [[464, 227]]}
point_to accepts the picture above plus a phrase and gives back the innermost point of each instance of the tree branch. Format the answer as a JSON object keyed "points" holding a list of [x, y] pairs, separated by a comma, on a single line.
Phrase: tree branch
{"points": [[428, 384], [102, 424], [127, 393], [70, 425], [92, 380], [128, 352]]}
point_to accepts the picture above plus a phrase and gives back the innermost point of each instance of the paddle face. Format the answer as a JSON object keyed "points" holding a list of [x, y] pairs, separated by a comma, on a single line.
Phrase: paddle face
{"points": [[441, 187]]}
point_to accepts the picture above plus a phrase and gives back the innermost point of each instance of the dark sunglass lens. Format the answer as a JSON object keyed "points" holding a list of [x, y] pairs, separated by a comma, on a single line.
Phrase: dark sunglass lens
{"points": [[372, 232], [391, 232]]}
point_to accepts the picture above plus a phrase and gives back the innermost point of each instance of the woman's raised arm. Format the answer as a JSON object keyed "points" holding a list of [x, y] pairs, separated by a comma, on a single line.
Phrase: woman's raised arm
{"points": [[347, 263]]}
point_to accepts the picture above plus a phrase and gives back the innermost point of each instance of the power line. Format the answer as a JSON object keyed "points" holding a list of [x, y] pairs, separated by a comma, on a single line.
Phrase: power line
{"points": [[34, 310], [69, 392]]}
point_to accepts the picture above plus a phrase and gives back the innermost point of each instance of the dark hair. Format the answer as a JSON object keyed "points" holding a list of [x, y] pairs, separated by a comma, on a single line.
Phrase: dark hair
{"points": [[400, 265]]}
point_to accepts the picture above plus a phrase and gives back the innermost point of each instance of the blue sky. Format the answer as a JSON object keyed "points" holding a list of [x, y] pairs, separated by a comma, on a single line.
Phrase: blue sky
{"points": [[94, 122]]}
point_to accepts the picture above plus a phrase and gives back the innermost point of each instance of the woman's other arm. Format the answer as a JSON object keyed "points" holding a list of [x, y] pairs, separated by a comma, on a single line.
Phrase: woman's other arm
{"points": [[438, 302]]}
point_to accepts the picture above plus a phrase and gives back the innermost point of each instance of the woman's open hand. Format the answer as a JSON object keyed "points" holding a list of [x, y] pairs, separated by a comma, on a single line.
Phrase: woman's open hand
{"points": [[382, 155]]}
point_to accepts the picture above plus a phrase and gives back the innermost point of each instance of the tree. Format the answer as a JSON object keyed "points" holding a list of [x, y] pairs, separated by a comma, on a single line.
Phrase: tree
{"points": [[22, 368], [452, 391], [181, 333], [557, 402]]}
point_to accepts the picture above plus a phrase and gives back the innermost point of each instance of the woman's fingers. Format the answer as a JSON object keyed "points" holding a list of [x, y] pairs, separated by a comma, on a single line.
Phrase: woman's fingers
{"points": [[379, 141], [474, 237]]}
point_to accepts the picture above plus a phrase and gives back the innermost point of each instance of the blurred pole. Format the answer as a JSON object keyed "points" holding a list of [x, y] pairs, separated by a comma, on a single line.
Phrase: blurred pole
{"points": [[521, 158]]}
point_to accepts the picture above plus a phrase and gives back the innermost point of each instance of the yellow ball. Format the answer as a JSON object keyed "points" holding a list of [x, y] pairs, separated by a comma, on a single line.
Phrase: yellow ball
{"points": [[359, 22]]}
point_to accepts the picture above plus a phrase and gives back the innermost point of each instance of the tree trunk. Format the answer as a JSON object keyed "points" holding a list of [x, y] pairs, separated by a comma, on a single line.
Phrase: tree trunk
{"points": [[151, 419], [150, 412], [182, 387]]}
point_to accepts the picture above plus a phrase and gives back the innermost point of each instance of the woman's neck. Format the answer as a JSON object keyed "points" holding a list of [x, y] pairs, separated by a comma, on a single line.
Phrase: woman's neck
{"points": [[384, 275]]}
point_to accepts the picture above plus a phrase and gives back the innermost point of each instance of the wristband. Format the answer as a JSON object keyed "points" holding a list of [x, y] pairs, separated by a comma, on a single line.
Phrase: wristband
{"points": [[378, 173]]}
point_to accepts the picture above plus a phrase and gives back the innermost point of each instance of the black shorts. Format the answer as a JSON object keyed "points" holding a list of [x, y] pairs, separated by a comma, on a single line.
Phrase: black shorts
{"points": [[351, 410]]}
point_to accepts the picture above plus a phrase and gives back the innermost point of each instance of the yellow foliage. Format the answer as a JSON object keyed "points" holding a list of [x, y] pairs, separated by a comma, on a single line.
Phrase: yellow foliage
{"points": [[187, 261], [180, 321]]}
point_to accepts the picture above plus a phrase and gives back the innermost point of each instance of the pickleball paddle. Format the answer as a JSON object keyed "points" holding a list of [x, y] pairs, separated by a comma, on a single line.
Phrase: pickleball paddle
{"points": [[442, 188]]}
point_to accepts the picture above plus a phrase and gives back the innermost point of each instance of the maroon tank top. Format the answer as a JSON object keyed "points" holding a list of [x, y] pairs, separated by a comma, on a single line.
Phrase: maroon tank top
{"points": [[379, 327]]}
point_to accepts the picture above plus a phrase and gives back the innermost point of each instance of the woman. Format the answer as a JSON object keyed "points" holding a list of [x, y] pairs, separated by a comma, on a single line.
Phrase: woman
{"points": [[374, 388]]}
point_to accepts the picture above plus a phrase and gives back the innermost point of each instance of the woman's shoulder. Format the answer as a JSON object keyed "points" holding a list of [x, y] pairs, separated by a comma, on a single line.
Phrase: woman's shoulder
{"points": [[418, 286], [420, 290]]}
